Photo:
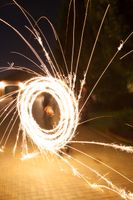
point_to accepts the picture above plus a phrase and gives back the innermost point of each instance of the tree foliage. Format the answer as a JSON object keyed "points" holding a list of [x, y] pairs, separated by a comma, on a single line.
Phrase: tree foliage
{"points": [[113, 87]]}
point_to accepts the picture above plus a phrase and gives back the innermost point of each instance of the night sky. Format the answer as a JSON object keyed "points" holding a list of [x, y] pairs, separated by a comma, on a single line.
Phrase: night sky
{"points": [[53, 9], [9, 41]]}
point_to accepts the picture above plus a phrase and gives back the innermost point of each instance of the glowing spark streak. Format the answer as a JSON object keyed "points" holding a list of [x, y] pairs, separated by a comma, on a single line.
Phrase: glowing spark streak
{"points": [[37, 36], [89, 156], [27, 43], [91, 119], [56, 138], [57, 38], [121, 45], [126, 54], [4, 118], [2, 149], [110, 62], [82, 36], [56, 70], [39, 39], [110, 185], [29, 156], [128, 149], [73, 36]]}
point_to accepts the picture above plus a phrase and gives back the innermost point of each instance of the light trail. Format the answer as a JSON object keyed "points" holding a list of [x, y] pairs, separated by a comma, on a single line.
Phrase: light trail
{"points": [[62, 90], [128, 149], [110, 186], [56, 138]]}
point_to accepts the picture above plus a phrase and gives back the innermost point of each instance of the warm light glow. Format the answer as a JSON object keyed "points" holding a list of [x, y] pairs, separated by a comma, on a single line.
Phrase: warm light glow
{"points": [[21, 85], [2, 84], [56, 138]]}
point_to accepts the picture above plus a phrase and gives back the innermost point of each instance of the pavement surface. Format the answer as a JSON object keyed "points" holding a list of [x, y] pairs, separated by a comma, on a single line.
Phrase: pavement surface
{"points": [[50, 178]]}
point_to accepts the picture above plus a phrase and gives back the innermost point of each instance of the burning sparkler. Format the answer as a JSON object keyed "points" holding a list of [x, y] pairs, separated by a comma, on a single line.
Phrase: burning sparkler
{"points": [[56, 138]]}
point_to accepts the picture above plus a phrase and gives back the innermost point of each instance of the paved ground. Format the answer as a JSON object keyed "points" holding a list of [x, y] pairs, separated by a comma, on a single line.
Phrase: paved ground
{"points": [[51, 179]]}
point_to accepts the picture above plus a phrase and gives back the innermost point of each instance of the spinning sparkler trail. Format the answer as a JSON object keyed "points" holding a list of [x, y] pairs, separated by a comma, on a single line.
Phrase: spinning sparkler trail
{"points": [[56, 138], [62, 90]]}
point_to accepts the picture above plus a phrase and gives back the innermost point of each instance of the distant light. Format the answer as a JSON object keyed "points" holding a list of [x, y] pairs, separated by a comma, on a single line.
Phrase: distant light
{"points": [[2, 84], [21, 85], [130, 87]]}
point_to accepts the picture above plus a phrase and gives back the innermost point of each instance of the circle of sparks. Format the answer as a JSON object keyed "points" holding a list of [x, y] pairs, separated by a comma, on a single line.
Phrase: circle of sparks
{"points": [[57, 137]]}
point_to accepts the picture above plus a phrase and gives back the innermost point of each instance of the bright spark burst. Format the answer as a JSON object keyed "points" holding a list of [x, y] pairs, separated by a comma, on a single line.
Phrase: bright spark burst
{"points": [[56, 138], [62, 90]]}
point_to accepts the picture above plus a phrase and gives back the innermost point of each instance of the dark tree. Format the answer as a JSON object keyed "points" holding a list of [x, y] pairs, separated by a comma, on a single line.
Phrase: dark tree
{"points": [[112, 90]]}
